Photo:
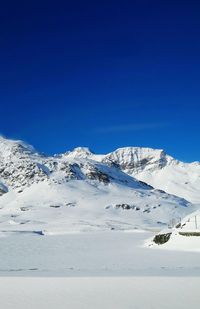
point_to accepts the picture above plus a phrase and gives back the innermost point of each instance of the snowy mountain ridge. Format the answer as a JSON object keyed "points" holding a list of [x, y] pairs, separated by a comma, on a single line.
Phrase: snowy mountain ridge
{"points": [[80, 190], [154, 167], [160, 170]]}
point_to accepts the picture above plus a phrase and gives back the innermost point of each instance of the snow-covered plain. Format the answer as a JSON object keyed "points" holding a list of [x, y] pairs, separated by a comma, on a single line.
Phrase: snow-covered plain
{"points": [[99, 292], [92, 254], [95, 270]]}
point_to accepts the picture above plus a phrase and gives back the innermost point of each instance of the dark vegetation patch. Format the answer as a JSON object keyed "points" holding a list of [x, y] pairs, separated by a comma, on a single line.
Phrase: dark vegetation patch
{"points": [[161, 239], [189, 234]]}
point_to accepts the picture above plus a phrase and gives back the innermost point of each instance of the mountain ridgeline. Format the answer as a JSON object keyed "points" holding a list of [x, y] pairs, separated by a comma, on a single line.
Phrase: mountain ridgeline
{"points": [[129, 188]]}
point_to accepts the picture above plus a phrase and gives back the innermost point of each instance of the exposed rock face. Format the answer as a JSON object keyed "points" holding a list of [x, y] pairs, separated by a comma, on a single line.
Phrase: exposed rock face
{"points": [[135, 159], [98, 175], [20, 164], [22, 174]]}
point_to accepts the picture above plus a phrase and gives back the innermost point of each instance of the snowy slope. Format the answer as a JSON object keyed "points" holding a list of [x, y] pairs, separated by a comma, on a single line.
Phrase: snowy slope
{"points": [[76, 191], [184, 236]]}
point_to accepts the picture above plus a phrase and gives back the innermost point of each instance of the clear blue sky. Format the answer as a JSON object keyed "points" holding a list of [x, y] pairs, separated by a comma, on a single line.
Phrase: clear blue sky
{"points": [[102, 74]]}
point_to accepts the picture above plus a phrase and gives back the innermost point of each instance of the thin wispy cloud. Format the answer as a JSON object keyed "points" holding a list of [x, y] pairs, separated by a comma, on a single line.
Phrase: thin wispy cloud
{"points": [[132, 127]]}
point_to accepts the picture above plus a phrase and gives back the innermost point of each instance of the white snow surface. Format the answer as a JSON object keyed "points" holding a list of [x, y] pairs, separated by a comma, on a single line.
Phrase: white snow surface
{"points": [[98, 293], [95, 270], [94, 253]]}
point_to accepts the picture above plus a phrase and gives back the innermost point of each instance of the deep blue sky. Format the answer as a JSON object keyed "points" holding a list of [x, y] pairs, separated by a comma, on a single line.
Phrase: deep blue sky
{"points": [[102, 74]]}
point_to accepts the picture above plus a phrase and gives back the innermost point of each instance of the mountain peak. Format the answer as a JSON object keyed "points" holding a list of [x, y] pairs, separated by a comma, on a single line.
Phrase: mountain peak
{"points": [[141, 150], [79, 152], [139, 158], [9, 147]]}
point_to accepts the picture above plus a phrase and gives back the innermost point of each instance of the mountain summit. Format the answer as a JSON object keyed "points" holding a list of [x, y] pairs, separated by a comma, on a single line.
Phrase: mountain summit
{"points": [[160, 170]]}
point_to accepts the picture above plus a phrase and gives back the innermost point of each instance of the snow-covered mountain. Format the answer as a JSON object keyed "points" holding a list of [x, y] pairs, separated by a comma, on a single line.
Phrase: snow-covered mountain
{"points": [[154, 167], [79, 190], [160, 170]]}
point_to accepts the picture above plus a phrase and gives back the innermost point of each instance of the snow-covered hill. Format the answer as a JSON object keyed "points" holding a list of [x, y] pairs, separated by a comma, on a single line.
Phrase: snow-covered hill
{"points": [[79, 190]]}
